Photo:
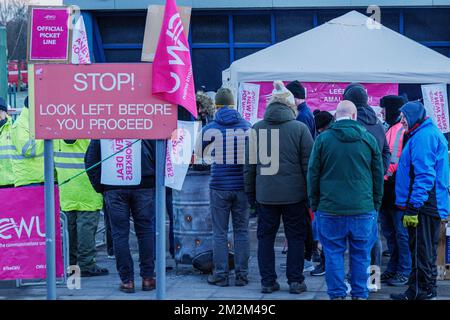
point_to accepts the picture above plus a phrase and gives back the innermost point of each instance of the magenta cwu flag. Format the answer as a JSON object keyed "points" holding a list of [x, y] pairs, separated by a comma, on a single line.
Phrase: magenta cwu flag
{"points": [[172, 69]]}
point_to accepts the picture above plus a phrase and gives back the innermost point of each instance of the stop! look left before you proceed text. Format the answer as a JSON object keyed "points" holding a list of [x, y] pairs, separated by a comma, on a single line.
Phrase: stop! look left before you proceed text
{"points": [[104, 116]]}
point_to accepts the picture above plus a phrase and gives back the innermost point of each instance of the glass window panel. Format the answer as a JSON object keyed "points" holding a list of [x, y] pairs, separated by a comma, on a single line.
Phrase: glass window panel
{"points": [[242, 53], [208, 65], [390, 19], [252, 28], [443, 50], [209, 29], [292, 23], [123, 55], [127, 29], [428, 24]]}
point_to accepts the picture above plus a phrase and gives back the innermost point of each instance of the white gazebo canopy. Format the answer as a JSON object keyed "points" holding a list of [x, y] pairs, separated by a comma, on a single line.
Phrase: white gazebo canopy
{"points": [[344, 49]]}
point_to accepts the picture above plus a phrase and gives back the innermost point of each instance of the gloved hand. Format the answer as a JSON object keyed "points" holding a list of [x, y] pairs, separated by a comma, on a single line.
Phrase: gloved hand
{"points": [[411, 217]]}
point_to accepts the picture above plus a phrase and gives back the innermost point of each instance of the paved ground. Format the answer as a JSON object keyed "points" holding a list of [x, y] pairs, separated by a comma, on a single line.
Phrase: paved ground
{"points": [[186, 283]]}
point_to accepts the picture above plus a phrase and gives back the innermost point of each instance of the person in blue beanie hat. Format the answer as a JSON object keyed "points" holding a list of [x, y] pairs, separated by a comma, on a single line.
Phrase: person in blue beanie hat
{"points": [[421, 190]]}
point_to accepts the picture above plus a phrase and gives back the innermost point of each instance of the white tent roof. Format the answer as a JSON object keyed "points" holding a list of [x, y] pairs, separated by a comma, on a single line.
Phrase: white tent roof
{"points": [[343, 50]]}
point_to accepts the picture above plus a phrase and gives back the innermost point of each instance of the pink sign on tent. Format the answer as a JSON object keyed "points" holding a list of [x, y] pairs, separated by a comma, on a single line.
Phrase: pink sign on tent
{"points": [[49, 34], [22, 234], [326, 96]]}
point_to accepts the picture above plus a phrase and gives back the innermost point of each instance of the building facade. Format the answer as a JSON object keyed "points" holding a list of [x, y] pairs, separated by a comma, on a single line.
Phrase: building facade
{"points": [[223, 31]]}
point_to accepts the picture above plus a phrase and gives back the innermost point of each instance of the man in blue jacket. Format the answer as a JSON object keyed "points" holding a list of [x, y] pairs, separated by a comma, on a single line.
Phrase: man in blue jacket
{"points": [[227, 189], [421, 191]]}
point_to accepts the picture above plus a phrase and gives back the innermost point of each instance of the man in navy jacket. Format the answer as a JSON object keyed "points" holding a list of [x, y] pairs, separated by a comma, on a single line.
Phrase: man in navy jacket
{"points": [[228, 129]]}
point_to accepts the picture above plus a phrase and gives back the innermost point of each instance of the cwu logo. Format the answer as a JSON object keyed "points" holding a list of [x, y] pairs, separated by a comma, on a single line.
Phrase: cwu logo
{"points": [[174, 31], [23, 228]]}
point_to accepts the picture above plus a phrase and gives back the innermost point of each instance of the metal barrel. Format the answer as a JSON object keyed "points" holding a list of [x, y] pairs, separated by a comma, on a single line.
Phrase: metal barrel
{"points": [[192, 218]]}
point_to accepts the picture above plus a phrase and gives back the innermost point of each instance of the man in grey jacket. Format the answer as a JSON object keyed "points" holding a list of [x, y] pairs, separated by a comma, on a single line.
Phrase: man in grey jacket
{"points": [[279, 186]]}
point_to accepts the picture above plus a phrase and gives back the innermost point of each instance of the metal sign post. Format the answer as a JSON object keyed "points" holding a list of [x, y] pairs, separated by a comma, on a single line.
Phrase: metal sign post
{"points": [[160, 205], [50, 220]]}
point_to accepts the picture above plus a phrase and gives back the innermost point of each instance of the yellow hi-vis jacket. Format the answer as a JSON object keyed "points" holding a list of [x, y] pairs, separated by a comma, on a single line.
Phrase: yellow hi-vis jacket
{"points": [[28, 165], [77, 194], [7, 152]]}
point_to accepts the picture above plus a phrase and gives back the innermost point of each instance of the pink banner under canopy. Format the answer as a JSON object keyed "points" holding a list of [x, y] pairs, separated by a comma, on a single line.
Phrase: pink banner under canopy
{"points": [[22, 234], [326, 96]]}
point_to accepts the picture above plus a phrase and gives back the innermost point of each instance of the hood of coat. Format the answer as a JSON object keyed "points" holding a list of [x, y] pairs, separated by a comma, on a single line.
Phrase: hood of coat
{"points": [[227, 116], [347, 130], [278, 113], [367, 115]]}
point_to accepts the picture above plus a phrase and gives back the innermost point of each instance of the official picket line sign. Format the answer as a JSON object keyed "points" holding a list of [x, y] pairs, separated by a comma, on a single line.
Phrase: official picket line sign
{"points": [[436, 104], [22, 234], [97, 101], [49, 34]]}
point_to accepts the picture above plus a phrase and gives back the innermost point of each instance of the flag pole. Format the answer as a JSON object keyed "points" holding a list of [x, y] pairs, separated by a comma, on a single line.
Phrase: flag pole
{"points": [[160, 221]]}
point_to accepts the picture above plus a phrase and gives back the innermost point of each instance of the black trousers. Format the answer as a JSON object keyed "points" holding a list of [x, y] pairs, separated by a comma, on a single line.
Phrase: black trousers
{"points": [[423, 242], [294, 222]]}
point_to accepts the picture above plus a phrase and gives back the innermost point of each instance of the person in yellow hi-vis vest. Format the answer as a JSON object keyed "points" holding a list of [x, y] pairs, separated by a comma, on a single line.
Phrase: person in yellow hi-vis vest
{"points": [[80, 202], [6, 147], [28, 159]]}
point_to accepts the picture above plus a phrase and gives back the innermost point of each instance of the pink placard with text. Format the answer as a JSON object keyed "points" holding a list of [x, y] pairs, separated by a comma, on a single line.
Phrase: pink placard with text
{"points": [[49, 34], [22, 234], [326, 96]]}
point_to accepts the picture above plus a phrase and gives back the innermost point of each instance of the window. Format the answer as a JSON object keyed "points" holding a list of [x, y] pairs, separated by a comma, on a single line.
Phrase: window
{"points": [[251, 28], [292, 23], [128, 55], [428, 24], [443, 50], [390, 19], [125, 29], [209, 29], [327, 15], [208, 65], [242, 53]]}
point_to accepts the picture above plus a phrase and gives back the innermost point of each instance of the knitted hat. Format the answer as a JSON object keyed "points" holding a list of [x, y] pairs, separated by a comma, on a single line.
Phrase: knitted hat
{"points": [[3, 106], [224, 97], [297, 89], [322, 119], [282, 95], [392, 105], [357, 94]]}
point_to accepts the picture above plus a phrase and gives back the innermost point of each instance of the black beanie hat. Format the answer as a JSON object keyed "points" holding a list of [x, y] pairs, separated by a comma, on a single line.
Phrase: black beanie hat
{"points": [[357, 94], [3, 106], [322, 119], [392, 105], [297, 89]]}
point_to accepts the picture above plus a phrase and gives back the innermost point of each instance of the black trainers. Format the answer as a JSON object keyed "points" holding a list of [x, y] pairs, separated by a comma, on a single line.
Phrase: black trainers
{"points": [[297, 287], [270, 289], [408, 295], [241, 281], [95, 271], [386, 276], [218, 281], [319, 270], [397, 280]]}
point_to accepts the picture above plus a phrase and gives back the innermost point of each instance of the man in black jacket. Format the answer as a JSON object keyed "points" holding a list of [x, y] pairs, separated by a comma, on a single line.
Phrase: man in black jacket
{"points": [[120, 201]]}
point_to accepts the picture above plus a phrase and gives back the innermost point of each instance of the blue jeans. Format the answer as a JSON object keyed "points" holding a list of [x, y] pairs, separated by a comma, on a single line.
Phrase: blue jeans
{"points": [[224, 203], [120, 203], [334, 232], [397, 241], [294, 222]]}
